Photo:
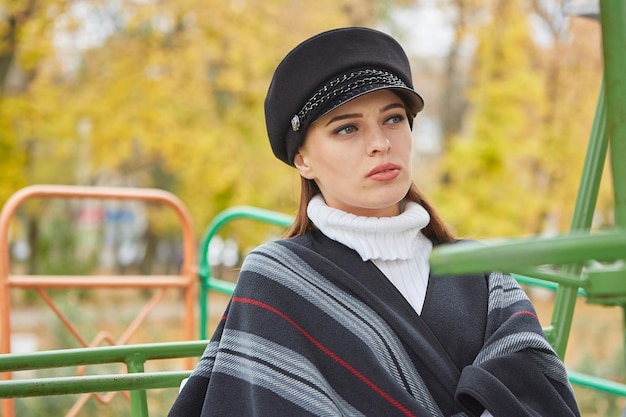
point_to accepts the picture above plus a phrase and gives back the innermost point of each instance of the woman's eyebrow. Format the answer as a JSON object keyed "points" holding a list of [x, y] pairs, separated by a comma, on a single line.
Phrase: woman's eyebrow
{"points": [[344, 116], [391, 106]]}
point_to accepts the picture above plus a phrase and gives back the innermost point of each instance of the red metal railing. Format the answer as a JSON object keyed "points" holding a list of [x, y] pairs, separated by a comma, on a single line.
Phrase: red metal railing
{"points": [[186, 279]]}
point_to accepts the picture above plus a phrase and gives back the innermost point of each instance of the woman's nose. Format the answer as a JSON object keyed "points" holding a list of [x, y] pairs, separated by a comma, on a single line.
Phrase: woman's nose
{"points": [[378, 143]]}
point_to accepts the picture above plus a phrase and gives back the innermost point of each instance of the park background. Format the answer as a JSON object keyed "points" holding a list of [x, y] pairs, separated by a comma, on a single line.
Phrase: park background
{"points": [[169, 94]]}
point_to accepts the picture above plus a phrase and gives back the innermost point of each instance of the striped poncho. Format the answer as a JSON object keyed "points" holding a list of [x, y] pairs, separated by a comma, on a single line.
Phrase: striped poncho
{"points": [[312, 330]]}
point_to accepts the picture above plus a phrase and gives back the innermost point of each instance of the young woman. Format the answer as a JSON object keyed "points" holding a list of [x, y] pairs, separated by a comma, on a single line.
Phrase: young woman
{"points": [[343, 318]]}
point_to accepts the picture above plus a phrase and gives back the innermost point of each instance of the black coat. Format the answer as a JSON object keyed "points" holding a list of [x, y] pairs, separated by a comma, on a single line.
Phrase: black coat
{"points": [[312, 330]]}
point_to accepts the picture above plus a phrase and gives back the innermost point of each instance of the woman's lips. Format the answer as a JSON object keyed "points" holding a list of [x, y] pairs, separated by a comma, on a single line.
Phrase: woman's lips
{"points": [[384, 172]]}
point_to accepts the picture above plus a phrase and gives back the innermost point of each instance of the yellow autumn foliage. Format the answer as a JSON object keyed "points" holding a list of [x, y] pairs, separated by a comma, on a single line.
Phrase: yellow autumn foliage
{"points": [[159, 94], [515, 169], [170, 95]]}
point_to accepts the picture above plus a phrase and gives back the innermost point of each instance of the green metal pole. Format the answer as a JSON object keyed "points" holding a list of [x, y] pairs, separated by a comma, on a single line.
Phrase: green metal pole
{"points": [[594, 382], [138, 398], [515, 256], [204, 269], [592, 169], [565, 300], [613, 18], [11, 362], [90, 383]]}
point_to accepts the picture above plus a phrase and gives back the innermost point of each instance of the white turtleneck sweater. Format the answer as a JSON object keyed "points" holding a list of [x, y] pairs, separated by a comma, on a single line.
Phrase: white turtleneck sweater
{"points": [[395, 245]]}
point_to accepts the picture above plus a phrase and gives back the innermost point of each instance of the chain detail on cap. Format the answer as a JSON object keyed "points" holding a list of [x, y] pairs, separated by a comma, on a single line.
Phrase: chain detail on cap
{"points": [[343, 84]]}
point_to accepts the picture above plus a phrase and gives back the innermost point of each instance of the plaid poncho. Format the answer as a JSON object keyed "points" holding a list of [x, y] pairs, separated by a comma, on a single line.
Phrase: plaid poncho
{"points": [[312, 330]]}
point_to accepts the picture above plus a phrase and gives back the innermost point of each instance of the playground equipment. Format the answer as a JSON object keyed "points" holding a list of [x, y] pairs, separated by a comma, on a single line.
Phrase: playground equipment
{"points": [[137, 381], [209, 282], [185, 281], [605, 284]]}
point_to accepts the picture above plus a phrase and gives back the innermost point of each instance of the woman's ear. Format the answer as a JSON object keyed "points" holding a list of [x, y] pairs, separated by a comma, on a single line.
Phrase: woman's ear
{"points": [[301, 163]]}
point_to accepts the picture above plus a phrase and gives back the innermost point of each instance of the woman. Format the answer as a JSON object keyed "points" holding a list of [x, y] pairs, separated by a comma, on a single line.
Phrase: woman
{"points": [[343, 318]]}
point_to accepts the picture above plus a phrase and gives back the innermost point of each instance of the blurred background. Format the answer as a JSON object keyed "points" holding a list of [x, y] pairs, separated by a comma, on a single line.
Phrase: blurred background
{"points": [[169, 94]]}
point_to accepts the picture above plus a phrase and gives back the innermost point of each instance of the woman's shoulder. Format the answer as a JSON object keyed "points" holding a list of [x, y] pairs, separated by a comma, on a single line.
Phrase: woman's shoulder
{"points": [[312, 247], [279, 250], [289, 242]]}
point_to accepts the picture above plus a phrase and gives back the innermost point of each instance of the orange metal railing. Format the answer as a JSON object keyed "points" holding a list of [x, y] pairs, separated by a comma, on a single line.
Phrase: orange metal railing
{"points": [[186, 279]]}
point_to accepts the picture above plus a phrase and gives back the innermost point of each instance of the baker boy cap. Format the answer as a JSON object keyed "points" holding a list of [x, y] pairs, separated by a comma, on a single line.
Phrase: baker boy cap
{"points": [[326, 71]]}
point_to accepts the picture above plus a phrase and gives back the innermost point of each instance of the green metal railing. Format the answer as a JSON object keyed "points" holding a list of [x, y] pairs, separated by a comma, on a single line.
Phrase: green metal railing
{"points": [[136, 380], [207, 281], [134, 356], [604, 282]]}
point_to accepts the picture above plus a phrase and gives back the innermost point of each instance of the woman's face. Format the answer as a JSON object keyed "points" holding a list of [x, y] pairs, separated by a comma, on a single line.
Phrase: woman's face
{"points": [[359, 155]]}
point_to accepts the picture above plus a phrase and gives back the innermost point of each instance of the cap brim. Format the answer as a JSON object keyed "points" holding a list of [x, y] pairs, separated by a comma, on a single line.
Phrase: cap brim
{"points": [[413, 101]]}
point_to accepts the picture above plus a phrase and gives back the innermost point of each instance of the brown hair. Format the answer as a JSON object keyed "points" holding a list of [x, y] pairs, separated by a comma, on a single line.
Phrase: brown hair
{"points": [[436, 230]]}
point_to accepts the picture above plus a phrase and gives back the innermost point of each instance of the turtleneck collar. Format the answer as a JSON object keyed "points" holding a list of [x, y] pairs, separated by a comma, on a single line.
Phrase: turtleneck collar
{"points": [[374, 238]]}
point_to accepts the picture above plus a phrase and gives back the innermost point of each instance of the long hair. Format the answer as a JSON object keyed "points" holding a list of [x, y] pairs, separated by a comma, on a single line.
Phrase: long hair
{"points": [[436, 230]]}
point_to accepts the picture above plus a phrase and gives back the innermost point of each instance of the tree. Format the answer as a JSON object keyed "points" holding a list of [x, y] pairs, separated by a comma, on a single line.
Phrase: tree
{"points": [[510, 172], [160, 94], [15, 14]]}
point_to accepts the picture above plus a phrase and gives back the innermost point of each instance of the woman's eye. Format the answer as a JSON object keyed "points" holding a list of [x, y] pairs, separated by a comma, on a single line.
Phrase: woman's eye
{"points": [[345, 130], [396, 118]]}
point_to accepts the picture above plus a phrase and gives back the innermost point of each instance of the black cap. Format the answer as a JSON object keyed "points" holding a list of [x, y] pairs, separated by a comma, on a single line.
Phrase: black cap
{"points": [[326, 71]]}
